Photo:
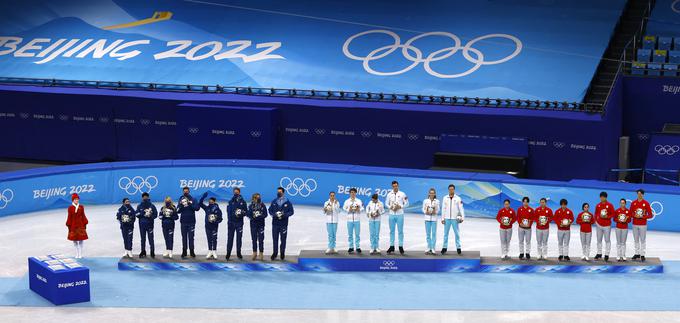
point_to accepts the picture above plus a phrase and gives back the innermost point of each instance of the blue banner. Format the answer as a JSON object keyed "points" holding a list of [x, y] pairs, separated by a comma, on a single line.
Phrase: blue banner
{"points": [[453, 48], [306, 183]]}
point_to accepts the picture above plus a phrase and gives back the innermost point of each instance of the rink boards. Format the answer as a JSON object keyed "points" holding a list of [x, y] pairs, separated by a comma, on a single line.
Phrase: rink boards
{"points": [[317, 261]]}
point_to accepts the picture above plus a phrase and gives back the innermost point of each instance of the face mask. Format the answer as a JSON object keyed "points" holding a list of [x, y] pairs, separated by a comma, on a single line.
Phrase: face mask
{"points": [[279, 194], [168, 203]]}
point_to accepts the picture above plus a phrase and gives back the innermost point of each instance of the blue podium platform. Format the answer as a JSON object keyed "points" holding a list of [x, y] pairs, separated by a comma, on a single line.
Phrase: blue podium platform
{"points": [[317, 261], [59, 279]]}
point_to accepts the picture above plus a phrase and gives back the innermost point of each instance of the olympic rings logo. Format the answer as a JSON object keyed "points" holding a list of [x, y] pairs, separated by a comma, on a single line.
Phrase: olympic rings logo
{"points": [[389, 263], [558, 144], [137, 184], [667, 149], [673, 7], [408, 50], [298, 186], [6, 196]]}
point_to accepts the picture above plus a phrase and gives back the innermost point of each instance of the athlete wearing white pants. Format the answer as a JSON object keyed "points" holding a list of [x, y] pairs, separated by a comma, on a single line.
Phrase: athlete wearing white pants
{"points": [[622, 219], [331, 208], [396, 201], [506, 217], [544, 216], [431, 211], [563, 217], [604, 211], [525, 219], [642, 211], [585, 220], [453, 214]]}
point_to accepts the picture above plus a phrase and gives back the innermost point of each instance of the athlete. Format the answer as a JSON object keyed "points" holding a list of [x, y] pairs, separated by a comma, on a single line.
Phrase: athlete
{"points": [[604, 211], [213, 218], [280, 209], [544, 216], [186, 208], [257, 212], [622, 218], [563, 217], [126, 218], [331, 209], [525, 219], [353, 208], [585, 220], [642, 211], [236, 212], [506, 217], [431, 207], [147, 213], [374, 210], [168, 217], [396, 201], [453, 214]]}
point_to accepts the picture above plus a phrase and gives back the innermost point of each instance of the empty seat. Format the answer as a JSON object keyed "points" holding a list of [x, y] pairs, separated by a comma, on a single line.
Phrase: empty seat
{"points": [[644, 55], [638, 68], [659, 56], [670, 70], [674, 56], [654, 69], [649, 42], [665, 43]]}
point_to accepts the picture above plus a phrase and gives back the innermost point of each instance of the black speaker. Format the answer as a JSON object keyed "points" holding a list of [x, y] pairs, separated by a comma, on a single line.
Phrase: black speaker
{"points": [[515, 166]]}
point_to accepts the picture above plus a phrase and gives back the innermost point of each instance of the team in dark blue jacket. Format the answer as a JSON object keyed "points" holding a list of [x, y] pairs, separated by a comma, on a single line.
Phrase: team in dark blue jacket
{"points": [[213, 218], [126, 217], [280, 209], [168, 216], [187, 207], [257, 212], [236, 212], [147, 213]]}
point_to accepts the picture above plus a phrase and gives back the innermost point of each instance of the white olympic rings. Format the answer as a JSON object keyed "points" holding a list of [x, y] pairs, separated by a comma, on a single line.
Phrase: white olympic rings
{"points": [[137, 184], [298, 186]]}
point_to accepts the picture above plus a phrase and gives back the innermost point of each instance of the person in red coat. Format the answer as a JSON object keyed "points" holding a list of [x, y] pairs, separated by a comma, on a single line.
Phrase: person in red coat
{"points": [[76, 224], [604, 211], [622, 218], [506, 217], [525, 219], [585, 219], [642, 211], [543, 216]]}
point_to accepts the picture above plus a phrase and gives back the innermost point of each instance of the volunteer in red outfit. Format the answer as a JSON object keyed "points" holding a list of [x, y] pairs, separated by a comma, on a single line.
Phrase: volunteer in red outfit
{"points": [[604, 211], [622, 218], [506, 217], [77, 223], [585, 219], [564, 217], [642, 211], [543, 216], [525, 219]]}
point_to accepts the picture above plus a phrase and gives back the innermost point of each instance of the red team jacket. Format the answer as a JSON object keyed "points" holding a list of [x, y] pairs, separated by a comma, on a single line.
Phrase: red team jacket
{"points": [[543, 216], [562, 214], [506, 215], [642, 211], [525, 217], [622, 224], [585, 219], [76, 223], [604, 211]]}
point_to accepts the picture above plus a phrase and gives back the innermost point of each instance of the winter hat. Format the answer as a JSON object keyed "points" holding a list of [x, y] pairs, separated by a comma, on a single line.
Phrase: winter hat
{"points": [[75, 196]]}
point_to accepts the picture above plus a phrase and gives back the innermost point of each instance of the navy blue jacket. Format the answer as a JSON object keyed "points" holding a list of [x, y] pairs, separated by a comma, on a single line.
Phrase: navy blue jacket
{"points": [[212, 209], [144, 218], [126, 213], [237, 208], [168, 215], [187, 213], [286, 209], [257, 212]]}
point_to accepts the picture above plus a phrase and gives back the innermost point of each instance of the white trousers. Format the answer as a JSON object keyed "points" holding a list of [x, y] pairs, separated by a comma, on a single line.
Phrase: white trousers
{"points": [[563, 237], [585, 243], [621, 237], [603, 232], [640, 237], [506, 236], [542, 241], [524, 240]]}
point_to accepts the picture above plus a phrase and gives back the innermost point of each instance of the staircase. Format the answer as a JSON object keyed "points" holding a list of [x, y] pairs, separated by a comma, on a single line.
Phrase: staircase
{"points": [[631, 22]]}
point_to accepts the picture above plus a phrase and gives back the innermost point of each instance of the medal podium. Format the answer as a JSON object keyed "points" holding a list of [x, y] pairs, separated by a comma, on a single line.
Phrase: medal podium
{"points": [[318, 261]]}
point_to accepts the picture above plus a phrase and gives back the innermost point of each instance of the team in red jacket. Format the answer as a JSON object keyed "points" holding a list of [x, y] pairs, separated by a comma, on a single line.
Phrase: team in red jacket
{"points": [[604, 211], [563, 217], [525, 220], [622, 217], [642, 211], [543, 216], [585, 219]]}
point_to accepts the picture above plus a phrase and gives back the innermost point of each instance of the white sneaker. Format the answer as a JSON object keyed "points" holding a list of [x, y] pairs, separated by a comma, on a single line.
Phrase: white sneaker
{"points": [[329, 251], [170, 254], [587, 259], [378, 250]]}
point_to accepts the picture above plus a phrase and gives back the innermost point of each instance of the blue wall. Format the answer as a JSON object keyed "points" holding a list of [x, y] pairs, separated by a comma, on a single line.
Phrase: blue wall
{"points": [[578, 144], [307, 183]]}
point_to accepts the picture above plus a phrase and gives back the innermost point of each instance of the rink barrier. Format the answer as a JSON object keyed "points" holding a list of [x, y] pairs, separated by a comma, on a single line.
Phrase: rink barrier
{"points": [[306, 184]]}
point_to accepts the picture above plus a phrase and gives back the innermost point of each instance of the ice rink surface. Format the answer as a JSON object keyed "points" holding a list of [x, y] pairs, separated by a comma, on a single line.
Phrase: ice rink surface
{"points": [[42, 233]]}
